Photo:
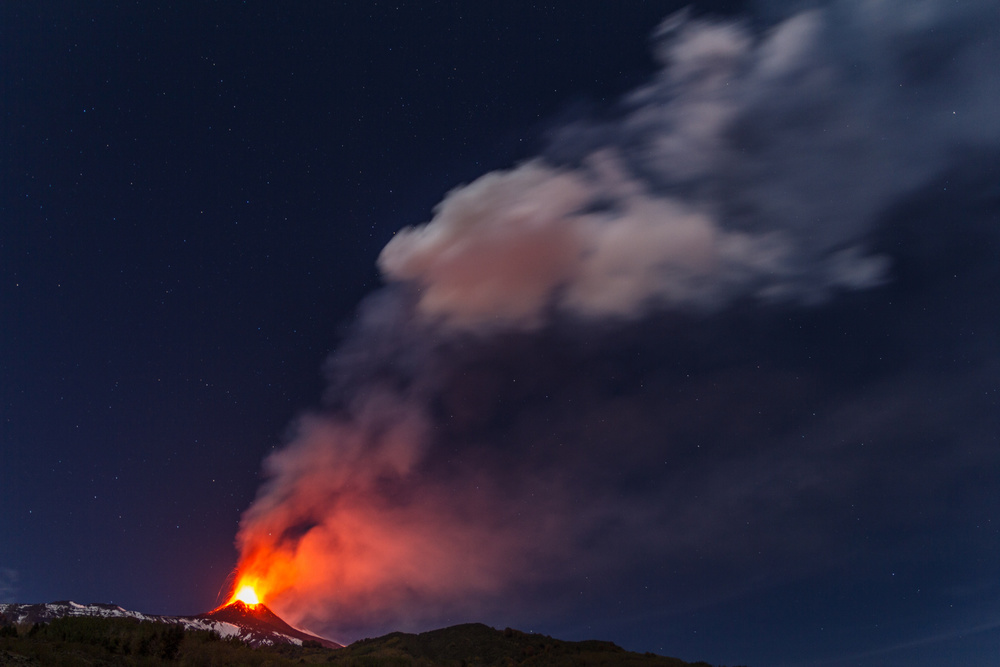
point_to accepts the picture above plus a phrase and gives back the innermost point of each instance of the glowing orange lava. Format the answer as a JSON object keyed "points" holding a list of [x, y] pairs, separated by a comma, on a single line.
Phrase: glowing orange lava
{"points": [[263, 575], [246, 595], [245, 591]]}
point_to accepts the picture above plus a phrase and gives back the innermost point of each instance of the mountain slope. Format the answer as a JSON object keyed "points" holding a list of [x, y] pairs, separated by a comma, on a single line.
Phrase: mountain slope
{"points": [[107, 634], [256, 625], [478, 645], [259, 625]]}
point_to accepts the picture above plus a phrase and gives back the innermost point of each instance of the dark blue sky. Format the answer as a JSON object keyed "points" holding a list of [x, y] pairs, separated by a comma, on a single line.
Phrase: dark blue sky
{"points": [[752, 417]]}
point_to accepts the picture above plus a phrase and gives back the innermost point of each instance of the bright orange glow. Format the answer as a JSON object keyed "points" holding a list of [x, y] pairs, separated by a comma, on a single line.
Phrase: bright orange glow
{"points": [[246, 595], [263, 575], [247, 590]]}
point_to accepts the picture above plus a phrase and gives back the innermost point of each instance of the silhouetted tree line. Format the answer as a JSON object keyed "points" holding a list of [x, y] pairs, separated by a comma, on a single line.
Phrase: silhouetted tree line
{"points": [[79, 641], [117, 636]]}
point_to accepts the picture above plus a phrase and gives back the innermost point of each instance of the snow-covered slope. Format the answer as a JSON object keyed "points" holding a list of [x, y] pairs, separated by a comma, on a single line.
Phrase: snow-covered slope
{"points": [[256, 625], [43, 613]]}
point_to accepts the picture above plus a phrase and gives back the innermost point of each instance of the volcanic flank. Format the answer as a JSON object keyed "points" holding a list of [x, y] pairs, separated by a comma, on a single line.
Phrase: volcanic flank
{"points": [[254, 624], [259, 624]]}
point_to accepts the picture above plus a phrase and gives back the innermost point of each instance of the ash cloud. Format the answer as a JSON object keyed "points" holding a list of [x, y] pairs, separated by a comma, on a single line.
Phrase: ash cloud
{"points": [[679, 348]]}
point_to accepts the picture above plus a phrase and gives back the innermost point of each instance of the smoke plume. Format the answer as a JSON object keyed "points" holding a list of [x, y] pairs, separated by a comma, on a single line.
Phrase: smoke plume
{"points": [[531, 399], [752, 165]]}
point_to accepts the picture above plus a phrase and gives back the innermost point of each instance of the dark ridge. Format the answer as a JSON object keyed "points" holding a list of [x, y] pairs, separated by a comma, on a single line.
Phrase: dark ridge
{"points": [[476, 644]]}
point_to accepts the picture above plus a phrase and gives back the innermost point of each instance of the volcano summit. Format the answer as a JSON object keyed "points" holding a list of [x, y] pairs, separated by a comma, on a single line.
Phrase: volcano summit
{"points": [[259, 625]]}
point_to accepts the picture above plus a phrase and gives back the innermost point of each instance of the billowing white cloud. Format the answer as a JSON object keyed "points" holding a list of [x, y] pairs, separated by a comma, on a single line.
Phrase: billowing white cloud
{"points": [[750, 166]]}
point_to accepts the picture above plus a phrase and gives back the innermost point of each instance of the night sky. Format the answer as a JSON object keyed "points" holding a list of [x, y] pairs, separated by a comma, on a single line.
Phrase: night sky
{"points": [[598, 320]]}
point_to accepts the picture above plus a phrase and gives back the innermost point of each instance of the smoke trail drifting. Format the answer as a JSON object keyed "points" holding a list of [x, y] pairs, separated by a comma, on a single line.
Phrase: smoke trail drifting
{"points": [[752, 168]]}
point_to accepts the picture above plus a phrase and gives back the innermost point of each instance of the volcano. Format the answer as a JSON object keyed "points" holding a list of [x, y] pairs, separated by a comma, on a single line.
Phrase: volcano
{"points": [[259, 625], [254, 624]]}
